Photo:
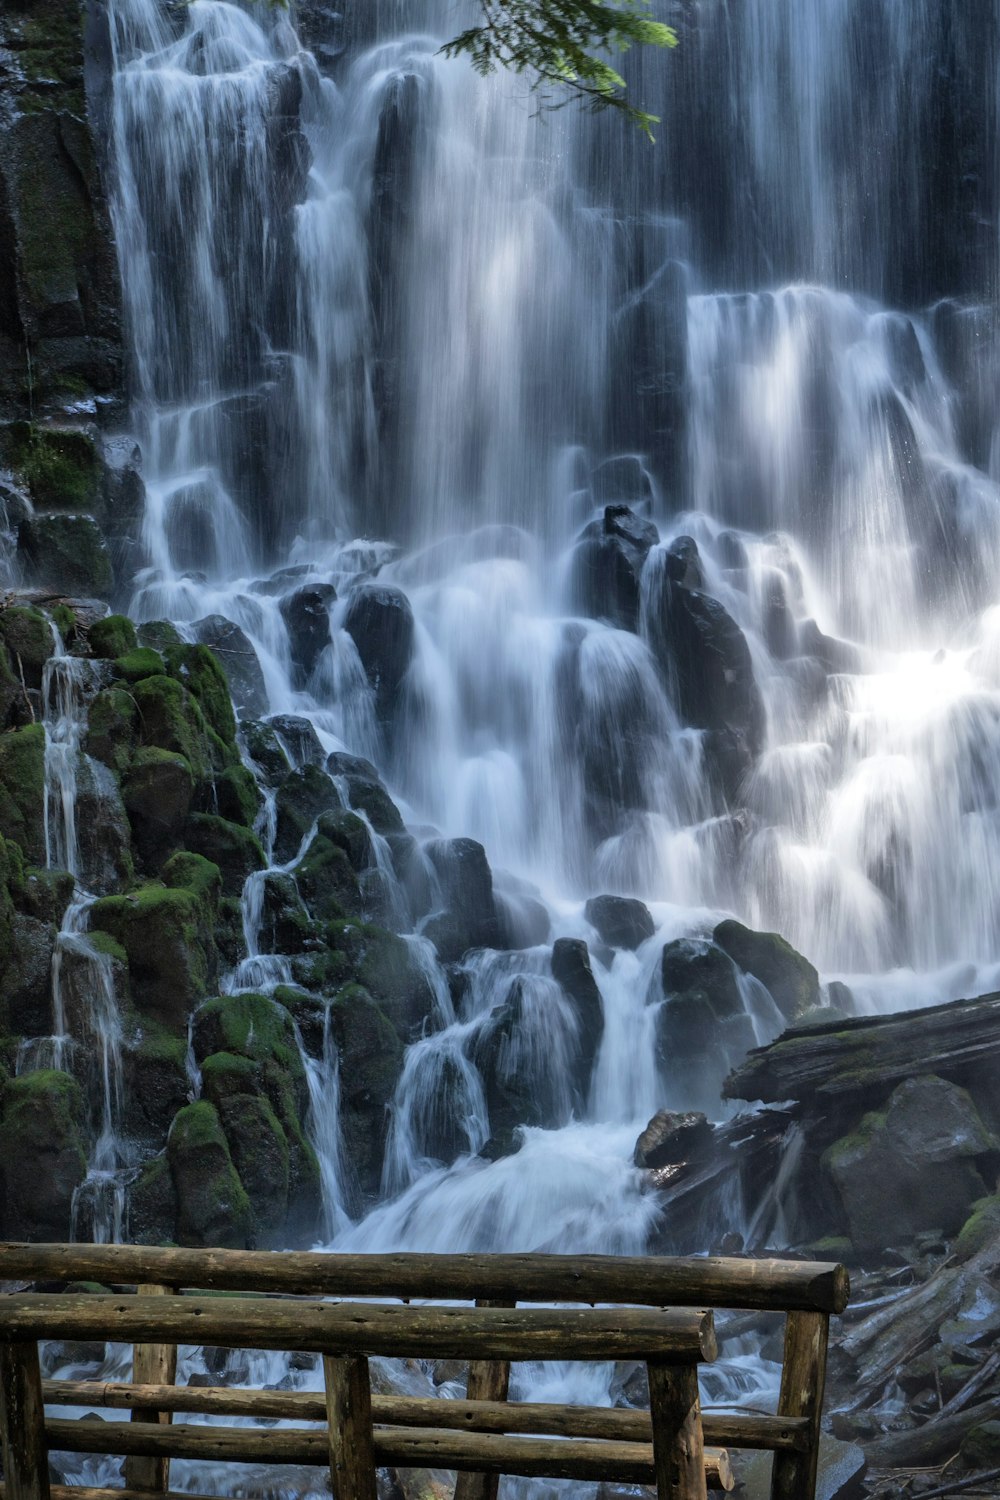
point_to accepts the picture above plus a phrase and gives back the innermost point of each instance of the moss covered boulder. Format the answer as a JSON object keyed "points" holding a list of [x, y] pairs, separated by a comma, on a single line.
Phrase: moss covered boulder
{"points": [[28, 638], [232, 847], [112, 727], [22, 789], [152, 1205], [167, 932], [212, 1207], [980, 1229], [156, 1086], [26, 983], [68, 554], [347, 953], [792, 981], [371, 1060], [301, 799], [42, 1156], [61, 466], [329, 875], [157, 791]]}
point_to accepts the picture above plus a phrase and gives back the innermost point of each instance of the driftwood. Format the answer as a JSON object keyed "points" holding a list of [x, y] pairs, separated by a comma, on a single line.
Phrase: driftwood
{"points": [[822, 1063], [933, 1441]]}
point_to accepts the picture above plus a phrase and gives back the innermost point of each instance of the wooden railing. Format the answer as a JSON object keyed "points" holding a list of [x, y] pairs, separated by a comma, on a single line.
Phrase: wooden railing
{"points": [[664, 1323]]}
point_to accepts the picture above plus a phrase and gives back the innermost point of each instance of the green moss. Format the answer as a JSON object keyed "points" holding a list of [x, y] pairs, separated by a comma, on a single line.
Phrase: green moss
{"points": [[42, 1157], [139, 663], [22, 789], [104, 943], [193, 873], [225, 1073], [59, 465], [68, 554], [65, 622], [237, 796], [980, 1229], [233, 848], [213, 1208], [199, 670], [112, 726], [791, 980], [253, 1026], [168, 937], [159, 634], [170, 719], [846, 1148], [27, 635], [113, 637]]}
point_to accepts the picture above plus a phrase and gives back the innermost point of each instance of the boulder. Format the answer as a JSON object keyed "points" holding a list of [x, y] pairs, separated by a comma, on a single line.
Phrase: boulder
{"points": [[260, 1153], [914, 1164], [112, 636], [157, 792], [621, 480], [469, 919], [22, 790], [791, 980], [328, 874], [298, 739], [112, 728], [371, 1060], [682, 563], [26, 983], [238, 660], [67, 553], [265, 750], [670, 1139], [366, 792], [230, 846], [212, 1206], [156, 1086], [572, 972], [102, 828], [607, 566], [519, 1090], [702, 1029], [379, 619], [29, 640], [42, 1156], [694, 965], [306, 614], [152, 1205], [301, 799], [620, 921]]}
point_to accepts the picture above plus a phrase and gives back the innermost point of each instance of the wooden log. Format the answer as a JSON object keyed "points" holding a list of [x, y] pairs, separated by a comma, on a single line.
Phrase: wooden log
{"points": [[846, 1058], [736, 1430], [22, 1423], [803, 1379], [489, 1380], [713, 1281], [152, 1364], [935, 1440], [532, 1457], [349, 1419], [678, 1441], [366, 1328]]}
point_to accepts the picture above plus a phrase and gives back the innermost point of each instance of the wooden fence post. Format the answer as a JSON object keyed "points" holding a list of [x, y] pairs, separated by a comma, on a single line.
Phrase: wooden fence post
{"points": [[678, 1442], [152, 1364], [22, 1423], [349, 1419], [489, 1380], [803, 1377]]}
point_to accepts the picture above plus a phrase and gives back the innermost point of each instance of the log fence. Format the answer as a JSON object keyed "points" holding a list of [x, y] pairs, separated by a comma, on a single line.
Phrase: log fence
{"points": [[309, 1302]]}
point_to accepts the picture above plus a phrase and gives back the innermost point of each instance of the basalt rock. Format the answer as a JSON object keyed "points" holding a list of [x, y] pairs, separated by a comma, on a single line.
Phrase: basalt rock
{"points": [[701, 1026], [380, 621], [299, 740], [67, 553], [22, 789], [212, 1206], [607, 566], [469, 919], [620, 921], [791, 979], [302, 798], [42, 1156], [572, 972], [371, 1060], [238, 660], [366, 792], [157, 1086], [670, 1139], [306, 614]]}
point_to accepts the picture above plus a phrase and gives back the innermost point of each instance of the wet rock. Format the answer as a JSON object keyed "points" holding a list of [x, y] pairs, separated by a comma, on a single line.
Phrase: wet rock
{"points": [[777, 620], [238, 660], [980, 1229], [835, 655], [524, 920], [683, 563], [701, 1027], [212, 1207], [572, 972], [620, 921], [790, 979], [694, 965], [102, 829], [22, 789], [259, 1149], [67, 553], [265, 750], [233, 848], [915, 1163], [500, 1052], [623, 479], [306, 614], [607, 566], [366, 792], [371, 1060], [841, 1470], [156, 1087], [152, 1205], [26, 985], [29, 640], [380, 621], [671, 1138], [112, 637], [298, 739], [328, 874], [157, 792], [42, 1157], [469, 919], [302, 798]]}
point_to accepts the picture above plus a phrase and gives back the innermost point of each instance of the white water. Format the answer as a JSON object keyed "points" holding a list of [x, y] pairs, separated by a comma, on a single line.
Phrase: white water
{"points": [[421, 336]]}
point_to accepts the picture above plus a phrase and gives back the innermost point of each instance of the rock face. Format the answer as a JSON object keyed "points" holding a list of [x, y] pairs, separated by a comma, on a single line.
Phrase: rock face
{"points": [[42, 1156]]}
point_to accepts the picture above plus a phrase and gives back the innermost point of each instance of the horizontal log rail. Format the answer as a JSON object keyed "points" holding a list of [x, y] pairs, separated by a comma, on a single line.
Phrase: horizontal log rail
{"points": [[291, 1302], [696, 1281]]}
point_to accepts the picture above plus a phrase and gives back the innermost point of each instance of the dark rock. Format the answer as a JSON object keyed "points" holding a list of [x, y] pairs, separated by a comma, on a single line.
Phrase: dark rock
{"points": [[621, 479], [26, 1003], [379, 619], [604, 582], [306, 614], [691, 965], [835, 655], [233, 848], [524, 920], [156, 1087], [670, 1139], [102, 829], [67, 553], [572, 972], [366, 792], [466, 884], [701, 1028], [157, 792], [299, 740], [518, 1090], [790, 979], [42, 1157], [371, 1060], [239, 662], [328, 874], [265, 750], [152, 1205], [913, 1164], [213, 1208], [638, 534], [301, 799], [620, 921], [683, 563]]}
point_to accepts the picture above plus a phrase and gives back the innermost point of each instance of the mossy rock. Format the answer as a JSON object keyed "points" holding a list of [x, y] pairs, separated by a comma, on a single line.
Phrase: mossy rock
{"points": [[261, 1156], [11, 690], [234, 795], [112, 637], [213, 1208], [22, 789], [186, 870], [138, 664], [301, 799], [371, 1060], [980, 1229], [28, 637], [377, 960], [68, 554], [43, 894], [156, 1086], [157, 791], [198, 668], [168, 935], [26, 985], [112, 728], [981, 1445], [366, 793], [60, 466], [265, 750], [233, 848], [42, 1156], [170, 719], [327, 876], [791, 980], [254, 1027], [152, 1205]]}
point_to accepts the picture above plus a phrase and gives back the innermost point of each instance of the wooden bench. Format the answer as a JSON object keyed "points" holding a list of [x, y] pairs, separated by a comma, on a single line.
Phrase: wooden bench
{"points": [[482, 1437]]}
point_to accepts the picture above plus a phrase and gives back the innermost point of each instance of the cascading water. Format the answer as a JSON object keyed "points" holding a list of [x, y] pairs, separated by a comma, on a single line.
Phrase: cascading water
{"points": [[390, 304]]}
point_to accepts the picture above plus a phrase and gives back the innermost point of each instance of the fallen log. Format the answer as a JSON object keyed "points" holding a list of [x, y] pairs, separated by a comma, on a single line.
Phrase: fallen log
{"points": [[871, 1054], [936, 1439]]}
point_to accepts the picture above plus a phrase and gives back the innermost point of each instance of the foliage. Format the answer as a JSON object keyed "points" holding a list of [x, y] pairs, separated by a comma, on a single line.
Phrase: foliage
{"points": [[558, 44]]}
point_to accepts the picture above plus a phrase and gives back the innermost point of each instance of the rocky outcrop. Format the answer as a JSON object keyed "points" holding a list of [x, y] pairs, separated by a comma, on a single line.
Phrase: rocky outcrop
{"points": [[607, 566]]}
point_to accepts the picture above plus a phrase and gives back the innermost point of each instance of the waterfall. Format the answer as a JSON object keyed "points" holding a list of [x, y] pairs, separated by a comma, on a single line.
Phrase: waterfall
{"points": [[546, 384]]}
